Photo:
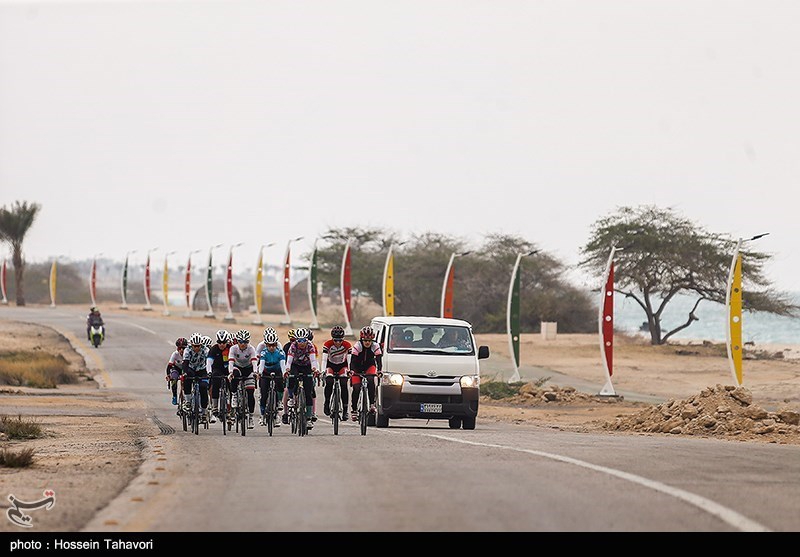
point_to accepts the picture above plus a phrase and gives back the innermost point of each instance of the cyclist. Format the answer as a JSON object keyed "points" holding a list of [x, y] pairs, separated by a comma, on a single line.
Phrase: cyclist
{"points": [[301, 360], [290, 335], [217, 367], [365, 358], [272, 359], [194, 365], [335, 353], [174, 366], [314, 392], [242, 362], [263, 344]]}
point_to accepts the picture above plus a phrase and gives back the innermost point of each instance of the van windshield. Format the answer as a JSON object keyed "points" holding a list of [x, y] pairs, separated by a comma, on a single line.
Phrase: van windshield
{"points": [[430, 339]]}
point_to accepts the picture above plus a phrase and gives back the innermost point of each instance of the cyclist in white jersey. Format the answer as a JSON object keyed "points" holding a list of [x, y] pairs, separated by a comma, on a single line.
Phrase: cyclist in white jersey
{"points": [[242, 363]]}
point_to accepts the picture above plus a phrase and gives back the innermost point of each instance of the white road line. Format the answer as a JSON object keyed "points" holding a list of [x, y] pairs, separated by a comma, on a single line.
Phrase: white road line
{"points": [[140, 327], [725, 514]]}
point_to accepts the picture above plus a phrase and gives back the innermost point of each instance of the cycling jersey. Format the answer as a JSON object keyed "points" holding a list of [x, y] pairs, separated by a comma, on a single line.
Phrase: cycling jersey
{"points": [[218, 359], [194, 363], [241, 358], [301, 357], [336, 354], [271, 361], [175, 364], [366, 359]]}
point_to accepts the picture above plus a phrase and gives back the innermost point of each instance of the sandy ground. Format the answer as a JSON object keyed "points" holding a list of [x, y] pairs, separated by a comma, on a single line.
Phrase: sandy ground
{"points": [[97, 438]]}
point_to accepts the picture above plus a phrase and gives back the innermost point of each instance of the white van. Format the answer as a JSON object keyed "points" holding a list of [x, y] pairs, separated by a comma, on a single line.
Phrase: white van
{"points": [[430, 370]]}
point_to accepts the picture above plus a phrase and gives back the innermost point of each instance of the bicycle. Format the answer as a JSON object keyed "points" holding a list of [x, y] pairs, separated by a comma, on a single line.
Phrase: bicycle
{"points": [[363, 403], [181, 412], [297, 412], [271, 409], [223, 405], [241, 414], [195, 410], [336, 405]]}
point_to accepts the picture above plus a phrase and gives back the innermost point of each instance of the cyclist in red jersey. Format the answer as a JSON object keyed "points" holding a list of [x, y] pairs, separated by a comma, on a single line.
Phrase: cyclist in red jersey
{"points": [[335, 356], [365, 358]]}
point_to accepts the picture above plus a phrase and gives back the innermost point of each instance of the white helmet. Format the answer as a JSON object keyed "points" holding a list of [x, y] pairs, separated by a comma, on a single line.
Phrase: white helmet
{"points": [[207, 341], [223, 336], [269, 330], [271, 338], [196, 339], [243, 336]]}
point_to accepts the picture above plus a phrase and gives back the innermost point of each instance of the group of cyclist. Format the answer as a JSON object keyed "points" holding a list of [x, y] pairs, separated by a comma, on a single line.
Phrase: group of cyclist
{"points": [[231, 358]]}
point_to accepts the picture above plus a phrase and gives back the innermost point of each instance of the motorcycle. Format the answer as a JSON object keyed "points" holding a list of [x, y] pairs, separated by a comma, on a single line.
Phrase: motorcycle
{"points": [[97, 334]]}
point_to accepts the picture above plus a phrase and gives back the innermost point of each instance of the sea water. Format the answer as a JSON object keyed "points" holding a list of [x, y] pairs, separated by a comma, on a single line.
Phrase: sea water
{"points": [[757, 327]]}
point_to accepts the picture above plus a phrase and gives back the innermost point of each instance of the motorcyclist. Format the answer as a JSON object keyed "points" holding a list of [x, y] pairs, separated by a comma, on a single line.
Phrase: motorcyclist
{"points": [[94, 319]]}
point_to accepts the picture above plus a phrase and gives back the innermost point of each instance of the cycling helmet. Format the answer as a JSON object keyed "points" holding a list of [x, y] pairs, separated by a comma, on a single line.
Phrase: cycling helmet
{"points": [[301, 333], [367, 333], [310, 334], [267, 332], [242, 336], [223, 336], [181, 343], [93, 309], [207, 341], [271, 338], [196, 339], [291, 334], [337, 333]]}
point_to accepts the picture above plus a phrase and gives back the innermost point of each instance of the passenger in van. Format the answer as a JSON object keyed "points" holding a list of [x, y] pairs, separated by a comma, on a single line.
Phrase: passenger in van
{"points": [[427, 339], [401, 338], [453, 338]]}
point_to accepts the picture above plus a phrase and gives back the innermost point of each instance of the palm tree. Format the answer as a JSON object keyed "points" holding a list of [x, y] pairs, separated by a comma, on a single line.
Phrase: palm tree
{"points": [[14, 224]]}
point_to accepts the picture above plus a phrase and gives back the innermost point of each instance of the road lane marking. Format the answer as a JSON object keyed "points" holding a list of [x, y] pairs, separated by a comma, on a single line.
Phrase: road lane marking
{"points": [[729, 516], [140, 327]]}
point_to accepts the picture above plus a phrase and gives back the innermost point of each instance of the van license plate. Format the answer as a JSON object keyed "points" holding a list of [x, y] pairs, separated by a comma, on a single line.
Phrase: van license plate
{"points": [[431, 408]]}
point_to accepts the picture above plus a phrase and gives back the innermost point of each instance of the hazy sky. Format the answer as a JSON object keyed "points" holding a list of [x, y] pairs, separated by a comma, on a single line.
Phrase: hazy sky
{"points": [[185, 124]]}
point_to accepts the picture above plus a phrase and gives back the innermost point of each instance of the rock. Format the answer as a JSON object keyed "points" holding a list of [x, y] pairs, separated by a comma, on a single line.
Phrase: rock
{"points": [[707, 421], [755, 413], [742, 395], [689, 412], [527, 388], [550, 396], [764, 430], [789, 417]]}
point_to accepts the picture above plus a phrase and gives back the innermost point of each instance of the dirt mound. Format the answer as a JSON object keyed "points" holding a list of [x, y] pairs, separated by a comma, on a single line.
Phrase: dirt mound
{"points": [[551, 395], [720, 411]]}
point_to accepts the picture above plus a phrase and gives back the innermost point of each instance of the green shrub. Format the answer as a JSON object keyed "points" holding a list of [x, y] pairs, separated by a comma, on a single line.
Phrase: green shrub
{"points": [[19, 428], [20, 459], [34, 369]]}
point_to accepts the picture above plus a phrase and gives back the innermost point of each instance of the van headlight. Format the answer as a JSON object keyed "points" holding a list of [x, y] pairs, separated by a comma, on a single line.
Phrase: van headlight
{"points": [[470, 381], [394, 379]]}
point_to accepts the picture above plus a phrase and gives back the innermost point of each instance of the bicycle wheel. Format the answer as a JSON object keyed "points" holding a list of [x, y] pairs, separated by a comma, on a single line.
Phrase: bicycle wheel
{"points": [[270, 413], [364, 404], [335, 406], [184, 417], [242, 408], [223, 407], [301, 412]]}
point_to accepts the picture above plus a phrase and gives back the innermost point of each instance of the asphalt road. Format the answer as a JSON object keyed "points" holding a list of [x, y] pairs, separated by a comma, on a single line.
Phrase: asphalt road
{"points": [[418, 476]]}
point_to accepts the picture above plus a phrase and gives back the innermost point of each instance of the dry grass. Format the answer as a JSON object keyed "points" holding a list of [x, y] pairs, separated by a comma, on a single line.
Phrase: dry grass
{"points": [[20, 459], [34, 369], [19, 428]]}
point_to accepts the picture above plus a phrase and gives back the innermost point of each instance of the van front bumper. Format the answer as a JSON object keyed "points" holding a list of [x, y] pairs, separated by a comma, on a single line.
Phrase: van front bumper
{"points": [[393, 403]]}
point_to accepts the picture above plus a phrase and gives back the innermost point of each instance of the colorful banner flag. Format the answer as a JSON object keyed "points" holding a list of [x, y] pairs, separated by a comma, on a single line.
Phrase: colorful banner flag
{"points": [[53, 284], [286, 284], [447, 290], [346, 289], [388, 283], [312, 288], [513, 319], [606, 325], [187, 284], [165, 286], [259, 281], [93, 283], [735, 354], [124, 283], [147, 283], [209, 285]]}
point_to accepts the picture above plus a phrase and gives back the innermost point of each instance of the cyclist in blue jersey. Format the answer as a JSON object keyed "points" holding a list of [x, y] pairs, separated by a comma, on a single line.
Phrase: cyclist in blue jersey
{"points": [[271, 360]]}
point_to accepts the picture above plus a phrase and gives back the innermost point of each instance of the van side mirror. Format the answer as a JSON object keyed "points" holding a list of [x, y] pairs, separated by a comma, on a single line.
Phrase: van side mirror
{"points": [[483, 352]]}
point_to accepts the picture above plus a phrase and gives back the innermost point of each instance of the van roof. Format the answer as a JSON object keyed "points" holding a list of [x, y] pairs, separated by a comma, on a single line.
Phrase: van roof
{"points": [[420, 320]]}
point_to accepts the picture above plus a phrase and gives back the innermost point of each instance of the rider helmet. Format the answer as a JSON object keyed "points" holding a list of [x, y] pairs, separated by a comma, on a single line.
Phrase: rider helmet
{"points": [[181, 343], [301, 334], [242, 336], [337, 333], [271, 338], [196, 339], [291, 334], [367, 333], [269, 330], [223, 336], [207, 341]]}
